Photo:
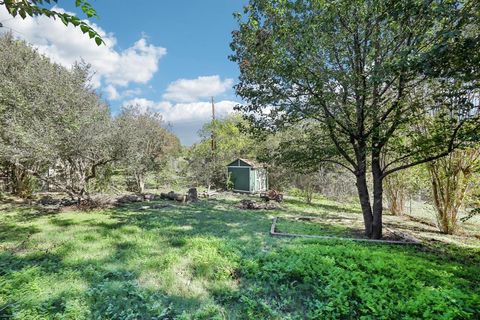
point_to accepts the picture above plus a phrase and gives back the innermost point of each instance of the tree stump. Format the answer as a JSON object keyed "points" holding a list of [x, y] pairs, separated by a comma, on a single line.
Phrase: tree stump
{"points": [[192, 195]]}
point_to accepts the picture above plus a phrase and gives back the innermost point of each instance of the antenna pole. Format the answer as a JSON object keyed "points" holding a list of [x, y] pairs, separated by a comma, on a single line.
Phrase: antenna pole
{"points": [[214, 145]]}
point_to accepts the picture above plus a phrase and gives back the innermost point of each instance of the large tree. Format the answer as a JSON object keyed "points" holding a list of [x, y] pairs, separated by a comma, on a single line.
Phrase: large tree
{"points": [[145, 144], [358, 76], [53, 125]]}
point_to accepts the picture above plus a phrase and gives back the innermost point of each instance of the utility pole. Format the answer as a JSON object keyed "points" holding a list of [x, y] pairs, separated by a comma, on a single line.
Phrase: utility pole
{"points": [[214, 143]]}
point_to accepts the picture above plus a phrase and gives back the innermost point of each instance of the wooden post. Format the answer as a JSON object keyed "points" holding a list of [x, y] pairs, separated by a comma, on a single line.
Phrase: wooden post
{"points": [[214, 146]]}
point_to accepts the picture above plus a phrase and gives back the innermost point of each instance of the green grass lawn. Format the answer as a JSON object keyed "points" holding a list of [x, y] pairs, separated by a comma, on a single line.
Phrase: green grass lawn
{"points": [[212, 261], [315, 228]]}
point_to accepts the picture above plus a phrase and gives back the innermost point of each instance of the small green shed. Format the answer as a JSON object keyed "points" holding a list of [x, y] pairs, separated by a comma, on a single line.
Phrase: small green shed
{"points": [[247, 176]]}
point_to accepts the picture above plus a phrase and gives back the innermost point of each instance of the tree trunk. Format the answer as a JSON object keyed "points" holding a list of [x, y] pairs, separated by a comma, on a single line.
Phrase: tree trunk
{"points": [[364, 197], [208, 189], [21, 184], [140, 181], [451, 179], [377, 196], [377, 207], [394, 189]]}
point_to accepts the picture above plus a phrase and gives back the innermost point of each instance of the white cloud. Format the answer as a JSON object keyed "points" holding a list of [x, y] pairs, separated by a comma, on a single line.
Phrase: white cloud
{"points": [[184, 112], [136, 64], [65, 45], [131, 92], [112, 92], [185, 118], [190, 90]]}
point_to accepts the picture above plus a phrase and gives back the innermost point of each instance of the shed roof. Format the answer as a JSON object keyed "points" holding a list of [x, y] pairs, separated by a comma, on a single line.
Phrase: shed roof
{"points": [[249, 162]]}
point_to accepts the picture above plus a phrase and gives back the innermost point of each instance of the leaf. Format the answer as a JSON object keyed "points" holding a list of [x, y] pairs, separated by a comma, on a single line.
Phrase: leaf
{"points": [[84, 28], [99, 41], [64, 19], [75, 21]]}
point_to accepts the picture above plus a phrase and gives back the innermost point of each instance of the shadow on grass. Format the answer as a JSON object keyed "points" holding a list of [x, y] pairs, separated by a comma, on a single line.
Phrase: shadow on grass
{"points": [[323, 206], [25, 212], [112, 291], [201, 219], [318, 228], [13, 232], [62, 222], [114, 288]]}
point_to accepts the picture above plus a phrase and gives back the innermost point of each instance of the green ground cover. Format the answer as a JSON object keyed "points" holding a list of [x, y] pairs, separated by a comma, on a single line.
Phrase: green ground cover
{"points": [[213, 261], [316, 227]]}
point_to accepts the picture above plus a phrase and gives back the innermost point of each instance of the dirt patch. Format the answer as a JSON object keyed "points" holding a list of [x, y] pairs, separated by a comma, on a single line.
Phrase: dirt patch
{"points": [[428, 232], [338, 228]]}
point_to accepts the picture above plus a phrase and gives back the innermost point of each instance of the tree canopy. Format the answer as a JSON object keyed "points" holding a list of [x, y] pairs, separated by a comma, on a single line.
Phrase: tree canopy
{"points": [[145, 143], [56, 130], [208, 166], [362, 78]]}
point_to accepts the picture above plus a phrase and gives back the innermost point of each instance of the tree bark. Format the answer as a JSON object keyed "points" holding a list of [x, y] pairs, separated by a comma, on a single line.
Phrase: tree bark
{"points": [[364, 197], [20, 181], [140, 181], [394, 188], [377, 198]]}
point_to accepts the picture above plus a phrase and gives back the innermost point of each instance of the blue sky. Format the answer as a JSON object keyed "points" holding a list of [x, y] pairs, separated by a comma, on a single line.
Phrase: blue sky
{"points": [[168, 56]]}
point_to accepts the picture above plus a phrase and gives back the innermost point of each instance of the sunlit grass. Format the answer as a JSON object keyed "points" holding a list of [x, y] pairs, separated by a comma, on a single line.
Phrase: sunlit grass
{"points": [[208, 260]]}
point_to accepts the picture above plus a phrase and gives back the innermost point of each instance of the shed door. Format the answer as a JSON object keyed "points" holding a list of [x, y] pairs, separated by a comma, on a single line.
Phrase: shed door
{"points": [[241, 179], [261, 180]]}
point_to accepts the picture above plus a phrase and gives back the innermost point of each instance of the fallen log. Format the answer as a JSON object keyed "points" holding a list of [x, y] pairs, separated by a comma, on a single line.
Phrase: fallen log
{"points": [[174, 196], [272, 195], [209, 194]]}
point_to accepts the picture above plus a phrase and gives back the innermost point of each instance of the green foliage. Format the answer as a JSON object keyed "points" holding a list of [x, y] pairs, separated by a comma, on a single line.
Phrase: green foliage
{"points": [[33, 8], [51, 120], [349, 281], [135, 303], [401, 185], [315, 228], [56, 129], [146, 146], [212, 261], [104, 179], [208, 167], [230, 182], [305, 192], [452, 181], [353, 81]]}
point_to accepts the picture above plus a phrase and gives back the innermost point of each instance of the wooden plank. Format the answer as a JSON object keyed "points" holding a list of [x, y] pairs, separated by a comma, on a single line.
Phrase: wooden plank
{"points": [[272, 228]]}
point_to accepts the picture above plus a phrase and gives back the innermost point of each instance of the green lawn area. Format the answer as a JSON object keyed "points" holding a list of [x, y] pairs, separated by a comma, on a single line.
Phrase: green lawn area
{"points": [[316, 228], [213, 261]]}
